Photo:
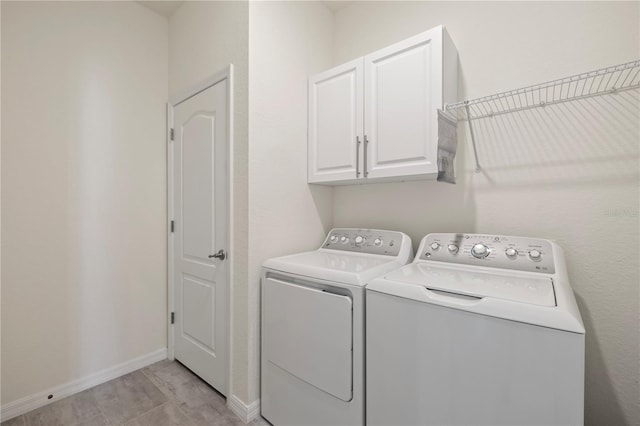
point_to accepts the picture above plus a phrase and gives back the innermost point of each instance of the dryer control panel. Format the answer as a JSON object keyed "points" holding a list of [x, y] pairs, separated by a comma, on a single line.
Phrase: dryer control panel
{"points": [[371, 241], [494, 251]]}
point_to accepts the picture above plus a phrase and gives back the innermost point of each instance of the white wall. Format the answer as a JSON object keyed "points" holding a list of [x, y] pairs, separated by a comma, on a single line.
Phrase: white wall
{"points": [[83, 190], [284, 42], [288, 42], [0, 211], [205, 37], [568, 172], [83, 274]]}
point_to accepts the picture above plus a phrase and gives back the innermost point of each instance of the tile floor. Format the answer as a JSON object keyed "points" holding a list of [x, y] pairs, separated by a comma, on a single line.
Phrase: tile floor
{"points": [[163, 394]]}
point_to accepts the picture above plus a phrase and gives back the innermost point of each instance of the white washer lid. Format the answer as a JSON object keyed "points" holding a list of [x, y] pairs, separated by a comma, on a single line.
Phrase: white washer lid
{"points": [[478, 283], [448, 286], [337, 266]]}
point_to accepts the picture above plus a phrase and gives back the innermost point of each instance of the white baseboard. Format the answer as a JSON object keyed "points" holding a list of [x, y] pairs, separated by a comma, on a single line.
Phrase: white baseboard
{"points": [[28, 403], [247, 413]]}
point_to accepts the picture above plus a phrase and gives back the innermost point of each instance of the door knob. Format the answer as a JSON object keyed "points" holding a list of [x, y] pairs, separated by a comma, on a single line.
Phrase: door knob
{"points": [[221, 254]]}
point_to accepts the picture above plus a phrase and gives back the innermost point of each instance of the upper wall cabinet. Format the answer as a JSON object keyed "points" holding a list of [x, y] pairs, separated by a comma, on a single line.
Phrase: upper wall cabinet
{"points": [[375, 118]]}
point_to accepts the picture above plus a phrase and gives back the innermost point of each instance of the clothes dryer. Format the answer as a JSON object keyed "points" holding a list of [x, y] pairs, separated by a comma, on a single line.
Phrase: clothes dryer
{"points": [[313, 326]]}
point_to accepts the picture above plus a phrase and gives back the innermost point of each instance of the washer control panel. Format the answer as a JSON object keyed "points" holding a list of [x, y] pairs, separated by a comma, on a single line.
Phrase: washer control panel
{"points": [[494, 251], [372, 241]]}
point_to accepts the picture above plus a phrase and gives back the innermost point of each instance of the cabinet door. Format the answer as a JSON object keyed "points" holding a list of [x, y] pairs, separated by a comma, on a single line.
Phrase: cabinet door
{"points": [[335, 124], [403, 90]]}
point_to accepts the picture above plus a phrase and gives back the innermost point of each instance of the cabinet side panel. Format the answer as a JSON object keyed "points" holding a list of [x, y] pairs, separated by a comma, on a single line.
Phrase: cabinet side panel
{"points": [[450, 70]]}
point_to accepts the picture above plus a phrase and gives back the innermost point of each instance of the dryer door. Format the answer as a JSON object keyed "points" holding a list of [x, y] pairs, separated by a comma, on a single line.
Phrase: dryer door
{"points": [[308, 333]]}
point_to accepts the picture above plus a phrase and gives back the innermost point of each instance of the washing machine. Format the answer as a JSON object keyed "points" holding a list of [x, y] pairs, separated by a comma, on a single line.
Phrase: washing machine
{"points": [[313, 326], [478, 330]]}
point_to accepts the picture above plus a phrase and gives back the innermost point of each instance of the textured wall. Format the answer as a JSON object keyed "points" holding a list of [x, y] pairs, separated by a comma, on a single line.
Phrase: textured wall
{"points": [[205, 37], [83, 190], [288, 42], [567, 172]]}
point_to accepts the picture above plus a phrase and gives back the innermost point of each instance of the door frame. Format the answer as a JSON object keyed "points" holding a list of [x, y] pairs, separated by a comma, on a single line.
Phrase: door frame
{"points": [[224, 74]]}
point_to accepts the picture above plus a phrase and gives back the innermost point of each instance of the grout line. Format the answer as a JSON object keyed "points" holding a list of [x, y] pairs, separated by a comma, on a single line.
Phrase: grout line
{"points": [[149, 376], [158, 389], [166, 394], [170, 398], [108, 420], [185, 414], [146, 412], [24, 420], [195, 378]]}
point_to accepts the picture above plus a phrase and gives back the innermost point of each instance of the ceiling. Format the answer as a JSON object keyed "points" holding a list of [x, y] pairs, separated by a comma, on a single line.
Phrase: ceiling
{"points": [[164, 8], [336, 5]]}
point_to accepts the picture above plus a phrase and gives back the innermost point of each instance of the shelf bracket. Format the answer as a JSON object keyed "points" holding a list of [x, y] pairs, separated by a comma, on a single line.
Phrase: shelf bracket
{"points": [[473, 138]]}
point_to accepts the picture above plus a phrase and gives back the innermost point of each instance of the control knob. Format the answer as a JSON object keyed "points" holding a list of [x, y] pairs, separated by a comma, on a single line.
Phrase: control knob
{"points": [[535, 255], [453, 249], [377, 242], [333, 238], [435, 246], [360, 240], [480, 251], [511, 253], [344, 239]]}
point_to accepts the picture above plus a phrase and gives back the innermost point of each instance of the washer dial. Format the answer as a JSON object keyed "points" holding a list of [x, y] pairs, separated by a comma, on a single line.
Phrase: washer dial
{"points": [[511, 253], [535, 255], [480, 251]]}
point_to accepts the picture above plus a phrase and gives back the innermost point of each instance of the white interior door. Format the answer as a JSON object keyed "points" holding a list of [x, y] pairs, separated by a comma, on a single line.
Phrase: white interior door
{"points": [[200, 281]]}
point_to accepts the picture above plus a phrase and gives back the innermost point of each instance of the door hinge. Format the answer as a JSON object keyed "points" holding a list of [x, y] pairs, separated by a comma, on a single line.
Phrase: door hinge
{"points": [[173, 226], [171, 134], [173, 317]]}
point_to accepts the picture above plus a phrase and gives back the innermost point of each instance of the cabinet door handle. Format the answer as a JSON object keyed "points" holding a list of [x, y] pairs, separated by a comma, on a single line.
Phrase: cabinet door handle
{"points": [[366, 148], [358, 156]]}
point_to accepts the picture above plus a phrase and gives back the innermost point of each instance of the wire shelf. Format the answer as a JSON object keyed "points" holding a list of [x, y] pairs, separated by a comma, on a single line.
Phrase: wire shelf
{"points": [[605, 80], [599, 82]]}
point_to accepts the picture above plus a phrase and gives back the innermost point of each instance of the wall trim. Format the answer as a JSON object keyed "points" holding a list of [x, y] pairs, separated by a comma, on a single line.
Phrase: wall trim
{"points": [[247, 413], [37, 400]]}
